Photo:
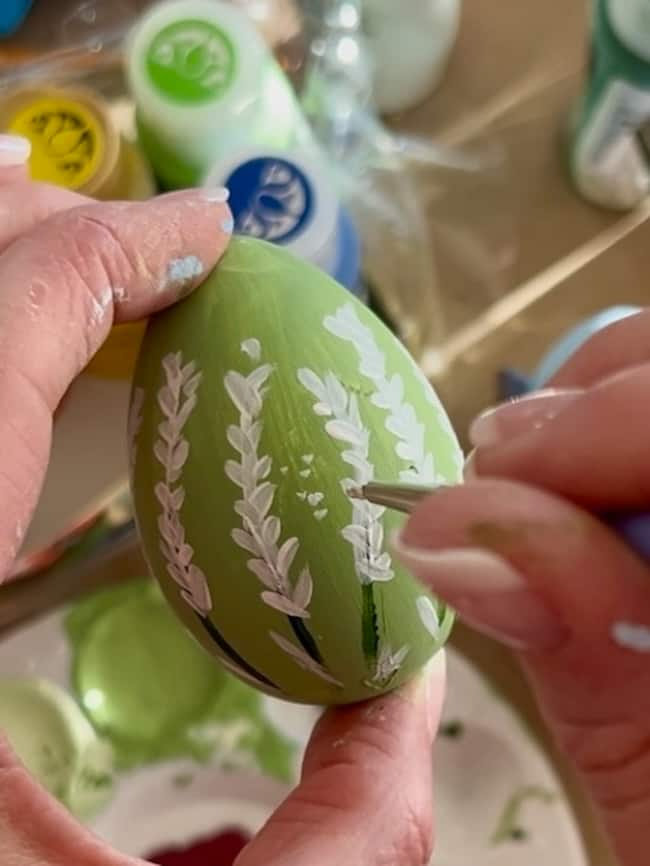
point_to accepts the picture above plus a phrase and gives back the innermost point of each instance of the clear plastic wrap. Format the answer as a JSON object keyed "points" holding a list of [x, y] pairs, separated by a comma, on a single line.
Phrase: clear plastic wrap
{"points": [[433, 264]]}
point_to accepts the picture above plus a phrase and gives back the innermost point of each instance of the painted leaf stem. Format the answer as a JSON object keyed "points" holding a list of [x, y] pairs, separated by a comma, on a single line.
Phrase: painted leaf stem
{"points": [[260, 532], [340, 411], [177, 399]]}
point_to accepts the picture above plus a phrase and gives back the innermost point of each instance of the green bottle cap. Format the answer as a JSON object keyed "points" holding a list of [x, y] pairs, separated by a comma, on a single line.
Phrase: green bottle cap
{"points": [[204, 83]]}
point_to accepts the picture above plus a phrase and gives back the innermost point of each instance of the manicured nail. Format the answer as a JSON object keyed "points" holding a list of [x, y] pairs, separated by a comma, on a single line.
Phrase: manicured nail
{"points": [[469, 469], [14, 150], [228, 225], [522, 415], [487, 593], [216, 194]]}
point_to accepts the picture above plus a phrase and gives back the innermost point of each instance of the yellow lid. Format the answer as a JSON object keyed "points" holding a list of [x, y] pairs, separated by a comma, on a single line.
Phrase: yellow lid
{"points": [[74, 141], [68, 140], [117, 358]]}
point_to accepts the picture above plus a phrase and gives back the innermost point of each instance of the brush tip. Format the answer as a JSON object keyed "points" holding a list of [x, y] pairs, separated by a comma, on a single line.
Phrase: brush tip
{"points": [[356, 493]]}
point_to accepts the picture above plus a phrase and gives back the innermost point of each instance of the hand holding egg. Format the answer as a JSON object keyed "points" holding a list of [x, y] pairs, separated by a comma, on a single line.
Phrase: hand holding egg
{"points": [[50, 341], [257, 404]]}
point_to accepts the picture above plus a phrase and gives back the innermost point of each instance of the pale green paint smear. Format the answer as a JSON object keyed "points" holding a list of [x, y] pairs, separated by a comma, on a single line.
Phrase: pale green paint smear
{"points": [[509, 827], [55, 742], [155, 694]]}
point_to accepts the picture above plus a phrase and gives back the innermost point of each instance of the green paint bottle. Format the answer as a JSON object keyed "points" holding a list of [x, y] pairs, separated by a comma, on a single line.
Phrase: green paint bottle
{"points": [[609, 161], [205, 84]]}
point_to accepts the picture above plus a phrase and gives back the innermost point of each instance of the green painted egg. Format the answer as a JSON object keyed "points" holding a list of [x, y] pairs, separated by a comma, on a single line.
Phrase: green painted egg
{"points": [[257, 403]]}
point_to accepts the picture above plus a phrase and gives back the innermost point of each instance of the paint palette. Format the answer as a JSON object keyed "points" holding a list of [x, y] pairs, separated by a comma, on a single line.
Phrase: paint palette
{"points": [[498, 801]]}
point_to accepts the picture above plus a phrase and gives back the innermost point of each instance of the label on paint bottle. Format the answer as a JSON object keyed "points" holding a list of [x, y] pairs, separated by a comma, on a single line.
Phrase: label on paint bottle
{"points": [[191, 62], [289, 199], [68, 142], [270, 199], [609, 163]]}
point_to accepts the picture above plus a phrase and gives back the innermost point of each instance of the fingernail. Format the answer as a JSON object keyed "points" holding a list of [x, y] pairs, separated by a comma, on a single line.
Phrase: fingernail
{"points": [[487, 593], [14, 150], [469, 470], [228, 225], [500, 423], [216, 194]]}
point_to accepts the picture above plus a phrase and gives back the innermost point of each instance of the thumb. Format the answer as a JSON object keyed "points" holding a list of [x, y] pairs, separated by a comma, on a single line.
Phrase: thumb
{"points": [[365, 793], [558, 586]]}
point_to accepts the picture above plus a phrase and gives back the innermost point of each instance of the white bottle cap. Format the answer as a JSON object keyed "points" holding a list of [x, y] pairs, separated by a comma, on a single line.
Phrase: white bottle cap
{"points": [[284, 198], [630, 20], [198, 69]]}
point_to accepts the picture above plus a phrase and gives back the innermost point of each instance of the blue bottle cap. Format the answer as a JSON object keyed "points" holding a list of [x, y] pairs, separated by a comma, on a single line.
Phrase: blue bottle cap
{"points": [[288, 199], [514, 384], [12, 15], [569, 344]]}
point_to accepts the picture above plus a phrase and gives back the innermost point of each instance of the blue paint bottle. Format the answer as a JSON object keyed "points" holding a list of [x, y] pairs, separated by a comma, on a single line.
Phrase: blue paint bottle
{"points": [[288, 199], [12, 15]]}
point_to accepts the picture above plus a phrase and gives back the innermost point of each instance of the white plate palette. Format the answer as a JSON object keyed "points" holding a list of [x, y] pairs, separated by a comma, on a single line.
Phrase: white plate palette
{"points": [[498, 800]]}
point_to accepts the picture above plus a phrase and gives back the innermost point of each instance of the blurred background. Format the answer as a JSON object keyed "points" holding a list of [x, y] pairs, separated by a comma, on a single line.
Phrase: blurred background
{"points": [[475, 171]]}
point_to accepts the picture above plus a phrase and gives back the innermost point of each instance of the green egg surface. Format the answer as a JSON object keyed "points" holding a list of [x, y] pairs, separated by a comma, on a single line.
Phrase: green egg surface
{"points": [[257, 403]]}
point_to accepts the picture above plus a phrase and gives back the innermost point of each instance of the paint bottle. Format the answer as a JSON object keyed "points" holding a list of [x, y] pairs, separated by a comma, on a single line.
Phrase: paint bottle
{"points": [[410, 43], [12, 15], [288, 198], [75, 143], [205, 84], [608, 158]]}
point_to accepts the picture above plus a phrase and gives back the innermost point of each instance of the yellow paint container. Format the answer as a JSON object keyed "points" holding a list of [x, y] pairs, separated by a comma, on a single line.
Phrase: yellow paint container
{"points": [[77, 145]]}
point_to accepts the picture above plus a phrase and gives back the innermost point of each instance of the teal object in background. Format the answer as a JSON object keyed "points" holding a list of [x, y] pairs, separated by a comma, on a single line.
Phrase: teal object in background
{"points": [[608, 157], [12, 15], [514, 384]]}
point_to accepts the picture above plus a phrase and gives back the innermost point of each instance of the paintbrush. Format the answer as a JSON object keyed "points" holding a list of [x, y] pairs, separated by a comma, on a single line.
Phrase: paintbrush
{"points": [[633, 527]]}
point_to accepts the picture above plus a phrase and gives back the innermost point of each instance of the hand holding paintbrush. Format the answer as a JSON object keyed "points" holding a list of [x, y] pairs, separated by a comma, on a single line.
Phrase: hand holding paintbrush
{"points": [[546, 549]]}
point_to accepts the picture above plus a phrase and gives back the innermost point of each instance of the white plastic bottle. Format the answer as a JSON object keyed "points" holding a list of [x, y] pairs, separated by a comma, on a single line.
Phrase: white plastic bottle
{"points": [[410, 42]]}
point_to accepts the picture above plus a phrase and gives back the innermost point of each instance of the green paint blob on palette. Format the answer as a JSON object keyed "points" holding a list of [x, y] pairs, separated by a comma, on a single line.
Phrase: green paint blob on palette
{"points": [[155, 695], [191, 61], [258, 402]]}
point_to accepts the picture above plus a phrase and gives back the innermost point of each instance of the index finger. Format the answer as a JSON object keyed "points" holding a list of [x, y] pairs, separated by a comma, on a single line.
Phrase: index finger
{"points": [[63, 286], [625, 343], [594, 451]]}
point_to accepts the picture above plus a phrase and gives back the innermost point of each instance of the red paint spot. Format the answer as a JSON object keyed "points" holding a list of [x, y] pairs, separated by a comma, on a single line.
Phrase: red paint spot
{"points": [[219, 850]]}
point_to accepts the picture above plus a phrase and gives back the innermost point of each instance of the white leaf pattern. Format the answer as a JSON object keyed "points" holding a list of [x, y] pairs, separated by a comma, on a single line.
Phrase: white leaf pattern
{"points": [[261, 531], [172, 451], [388, 664], [365, 532], [284, 605], [303, 660], [134, 423], [428, 616], [402, 419], [303, 589]]}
